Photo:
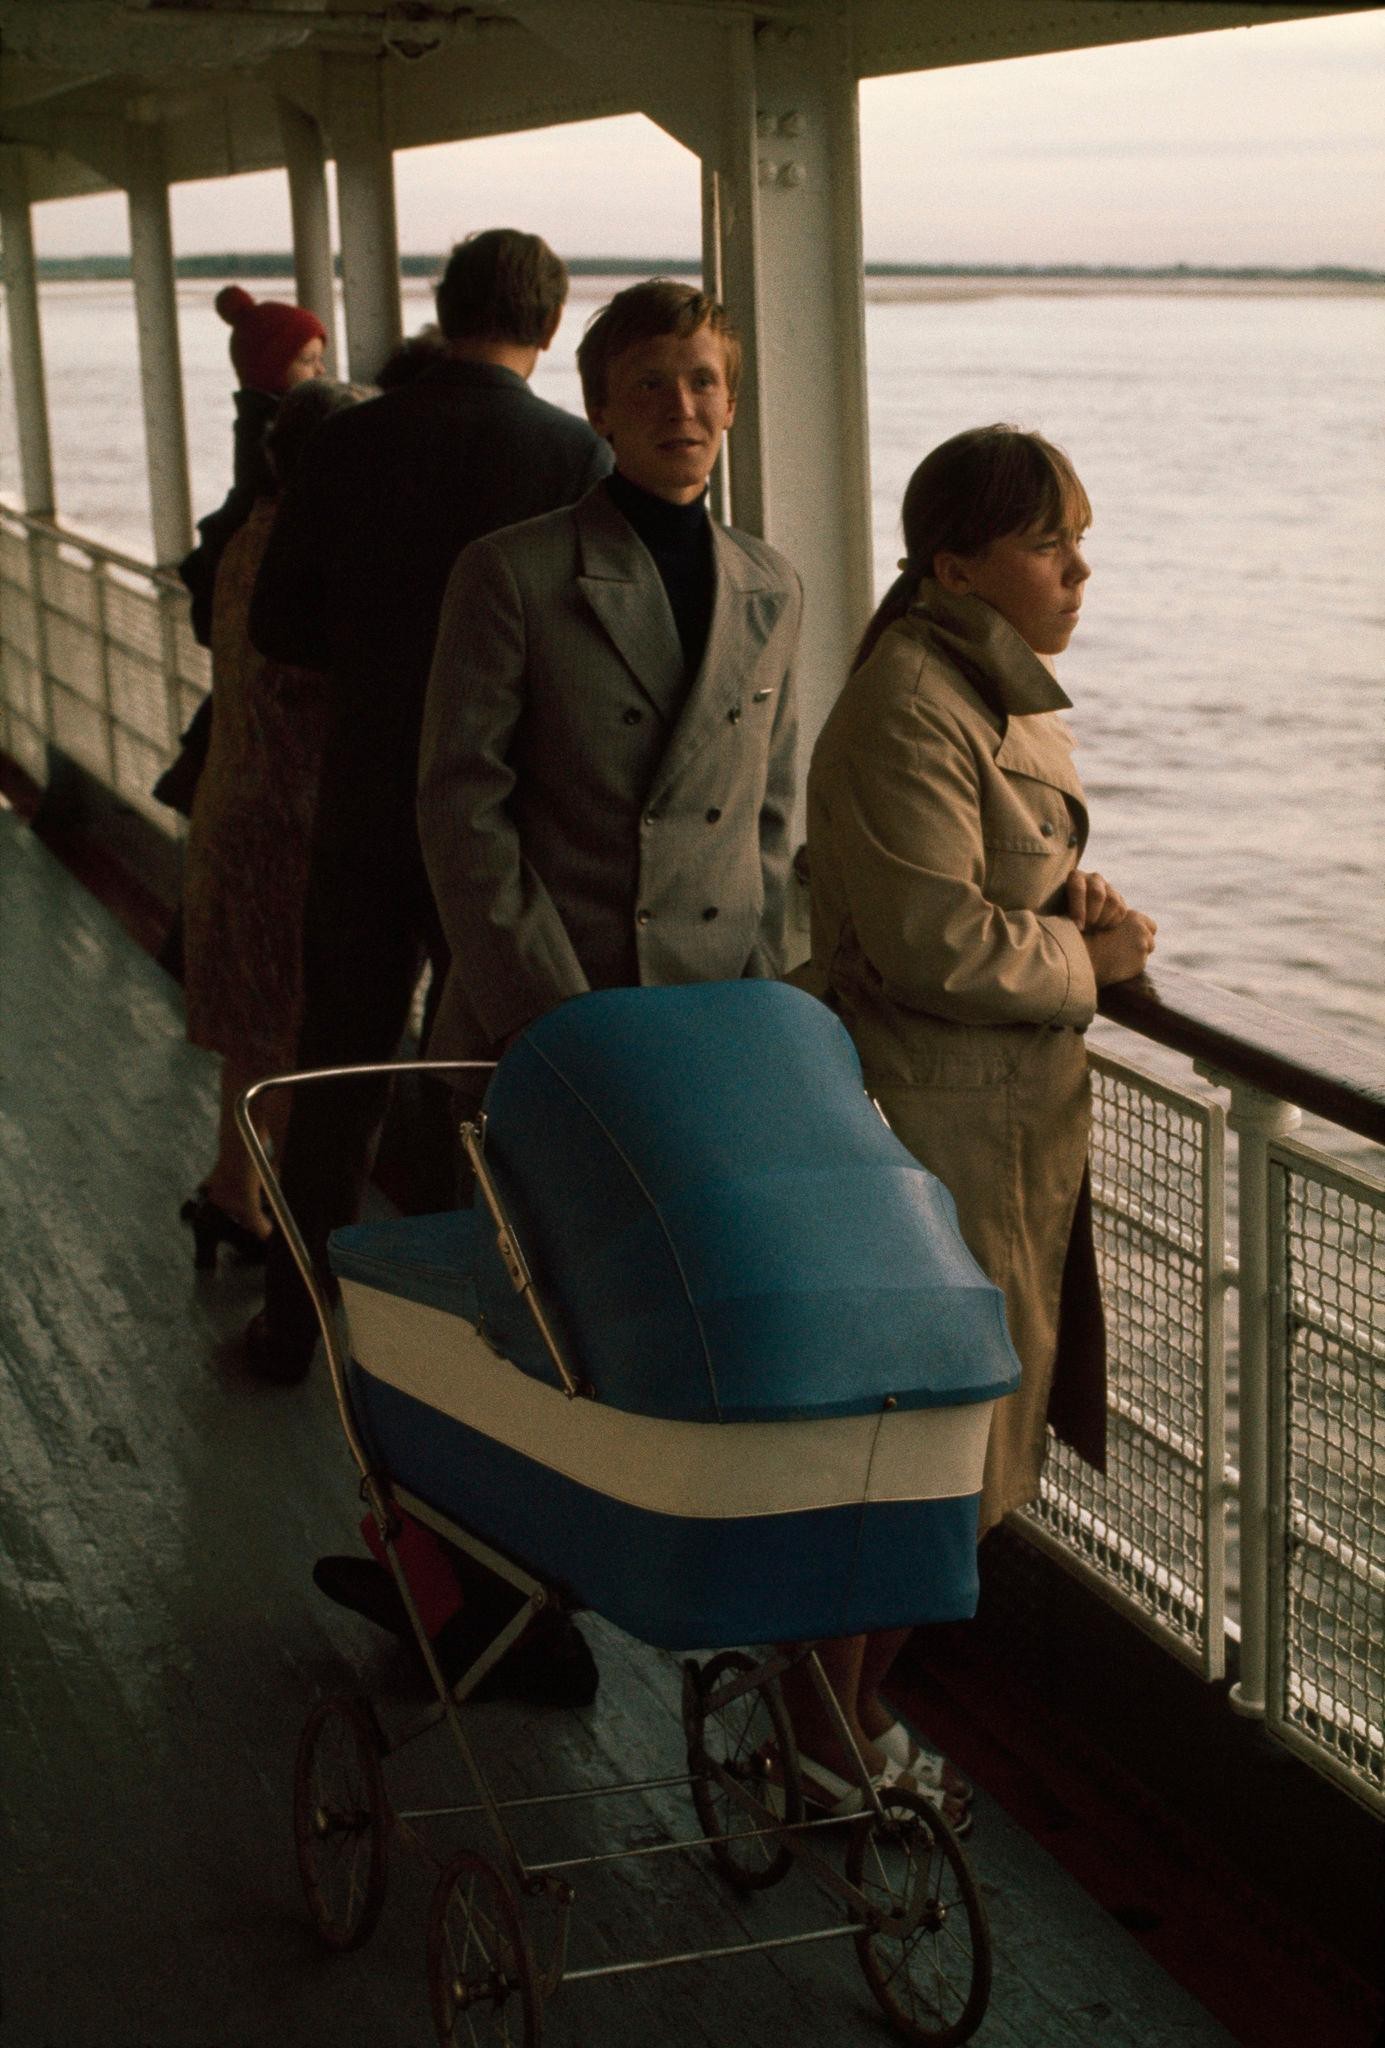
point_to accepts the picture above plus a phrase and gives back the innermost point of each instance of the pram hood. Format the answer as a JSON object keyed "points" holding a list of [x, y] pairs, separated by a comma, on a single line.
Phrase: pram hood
{"points": [[719, 1223]]}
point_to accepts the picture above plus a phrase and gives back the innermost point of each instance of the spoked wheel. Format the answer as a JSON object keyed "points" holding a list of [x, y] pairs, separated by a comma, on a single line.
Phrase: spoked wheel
{"points": [[481, 1975], [750, 1740], [341, 1820], [928, 1959]]}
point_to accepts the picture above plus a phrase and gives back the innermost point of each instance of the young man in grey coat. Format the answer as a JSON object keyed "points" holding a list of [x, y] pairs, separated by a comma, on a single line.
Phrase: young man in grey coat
{"points": [[607, 764]]}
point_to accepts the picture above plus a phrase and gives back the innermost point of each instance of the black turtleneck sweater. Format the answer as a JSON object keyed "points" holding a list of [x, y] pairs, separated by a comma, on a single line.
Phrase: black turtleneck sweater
{"points": [[679, 537]]}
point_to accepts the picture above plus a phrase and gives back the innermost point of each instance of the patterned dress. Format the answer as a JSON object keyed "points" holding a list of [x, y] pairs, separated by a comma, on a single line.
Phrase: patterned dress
{"points": [[246, 861]]}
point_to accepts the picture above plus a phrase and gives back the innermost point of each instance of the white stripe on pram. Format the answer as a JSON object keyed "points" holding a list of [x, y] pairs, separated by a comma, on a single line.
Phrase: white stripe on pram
{"points": [[694, 1469]]}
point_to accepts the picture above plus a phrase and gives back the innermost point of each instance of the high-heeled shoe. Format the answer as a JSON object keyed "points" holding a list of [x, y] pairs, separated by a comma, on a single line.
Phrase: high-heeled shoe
{"points": [[212, 1227]]}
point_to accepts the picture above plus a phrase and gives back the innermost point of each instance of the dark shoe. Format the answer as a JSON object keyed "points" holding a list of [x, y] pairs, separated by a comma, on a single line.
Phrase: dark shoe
{"points": [[366, 1587], [212, 1227], [276, 1356], [550, 1666]]}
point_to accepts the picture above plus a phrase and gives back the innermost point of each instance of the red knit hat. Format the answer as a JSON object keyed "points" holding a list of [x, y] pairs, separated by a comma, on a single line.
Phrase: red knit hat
{"points": [[265, 336]]}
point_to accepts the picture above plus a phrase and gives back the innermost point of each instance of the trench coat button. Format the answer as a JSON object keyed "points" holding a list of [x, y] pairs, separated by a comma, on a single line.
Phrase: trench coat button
{"points": [[760, 696], [1047, 829], [652, 817], [709, 913], [643, 916], [631, 717], [713, 815], [734, 715], [1072, 839]]}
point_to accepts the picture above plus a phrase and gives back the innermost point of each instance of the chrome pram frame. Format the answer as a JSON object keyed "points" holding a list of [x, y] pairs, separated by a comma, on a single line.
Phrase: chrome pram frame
{"points": [[913, 1908]]}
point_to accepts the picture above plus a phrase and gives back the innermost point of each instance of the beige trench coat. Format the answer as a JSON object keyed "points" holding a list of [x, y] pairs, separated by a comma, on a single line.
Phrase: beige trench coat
{"points": [[944, 818]]}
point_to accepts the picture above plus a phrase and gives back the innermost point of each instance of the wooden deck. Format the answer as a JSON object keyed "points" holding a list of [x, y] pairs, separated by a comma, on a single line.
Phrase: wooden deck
{"points": [[162, 1641]]}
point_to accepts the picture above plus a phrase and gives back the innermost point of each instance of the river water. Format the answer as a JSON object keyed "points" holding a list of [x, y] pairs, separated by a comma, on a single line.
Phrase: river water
{"points": [[1227, 675]]}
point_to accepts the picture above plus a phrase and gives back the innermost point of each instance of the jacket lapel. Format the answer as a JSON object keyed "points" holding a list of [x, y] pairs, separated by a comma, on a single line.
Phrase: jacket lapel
{"points": [[745, 611], [619, 581]]}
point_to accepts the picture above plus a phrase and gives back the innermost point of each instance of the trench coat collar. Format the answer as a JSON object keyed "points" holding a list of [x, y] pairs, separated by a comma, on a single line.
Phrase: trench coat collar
{"points": [[1014, 681]]}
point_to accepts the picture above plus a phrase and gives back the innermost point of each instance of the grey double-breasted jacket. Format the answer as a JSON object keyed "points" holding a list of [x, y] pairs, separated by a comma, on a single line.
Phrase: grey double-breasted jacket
{"points": [[589, 819]]}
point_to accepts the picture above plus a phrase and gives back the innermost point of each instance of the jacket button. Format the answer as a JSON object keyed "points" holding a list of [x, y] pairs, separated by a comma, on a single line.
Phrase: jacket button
{"points": [[631, 717], [734, 715], [1047, 829], [1072, 839], [643, 916], [709, 913], [713, 815], [652, 817]]}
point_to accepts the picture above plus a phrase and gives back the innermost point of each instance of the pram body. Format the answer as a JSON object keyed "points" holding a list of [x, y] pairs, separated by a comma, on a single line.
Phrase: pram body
{"points": [[790, 1355]]}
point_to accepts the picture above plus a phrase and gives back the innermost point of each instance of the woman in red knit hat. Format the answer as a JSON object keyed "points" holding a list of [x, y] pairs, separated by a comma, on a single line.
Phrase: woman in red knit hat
{"points": [[273, 347]]}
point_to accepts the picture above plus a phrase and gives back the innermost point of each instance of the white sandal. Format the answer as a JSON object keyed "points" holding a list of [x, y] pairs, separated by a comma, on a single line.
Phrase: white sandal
{"points": [[836, 1797], [930, 1771]]}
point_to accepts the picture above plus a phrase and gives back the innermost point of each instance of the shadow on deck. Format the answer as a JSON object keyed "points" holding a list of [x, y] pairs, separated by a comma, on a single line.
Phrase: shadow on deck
{"points": [[162, 1641]]}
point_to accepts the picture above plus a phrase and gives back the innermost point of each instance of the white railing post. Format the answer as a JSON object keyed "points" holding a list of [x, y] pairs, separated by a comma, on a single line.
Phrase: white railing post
{"points": [[1256, 1118]]}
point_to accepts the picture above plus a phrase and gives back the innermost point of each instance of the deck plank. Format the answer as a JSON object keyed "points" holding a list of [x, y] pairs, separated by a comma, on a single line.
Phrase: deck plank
{"points": [[162, 1641]]}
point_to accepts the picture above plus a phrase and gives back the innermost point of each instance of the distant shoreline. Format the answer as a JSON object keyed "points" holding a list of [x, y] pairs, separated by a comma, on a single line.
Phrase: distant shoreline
{"points": [[884, 281]]}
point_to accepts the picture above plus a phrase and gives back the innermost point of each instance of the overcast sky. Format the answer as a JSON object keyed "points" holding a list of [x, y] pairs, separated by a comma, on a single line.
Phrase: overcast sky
{"points": [[1263, 145]]}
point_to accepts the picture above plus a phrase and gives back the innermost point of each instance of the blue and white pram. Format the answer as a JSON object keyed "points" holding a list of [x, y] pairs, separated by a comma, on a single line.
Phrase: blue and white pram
{"points": [[787, 1356]]}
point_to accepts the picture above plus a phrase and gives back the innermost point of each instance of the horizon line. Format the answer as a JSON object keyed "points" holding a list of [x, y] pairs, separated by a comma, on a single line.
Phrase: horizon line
{"points": [[279, 262]]}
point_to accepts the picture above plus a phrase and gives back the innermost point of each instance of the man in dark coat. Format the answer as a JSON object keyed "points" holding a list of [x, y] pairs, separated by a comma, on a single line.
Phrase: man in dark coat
{"points": [[352, 584]]}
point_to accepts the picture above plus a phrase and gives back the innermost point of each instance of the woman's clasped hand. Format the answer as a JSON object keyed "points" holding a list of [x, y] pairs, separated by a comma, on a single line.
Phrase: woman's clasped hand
{"points": [[1119, 940]]}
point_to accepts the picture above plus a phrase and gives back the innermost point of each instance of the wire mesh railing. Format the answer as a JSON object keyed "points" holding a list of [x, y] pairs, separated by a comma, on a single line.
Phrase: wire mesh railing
{"points": [[1326, 1690], [1149, 1531], [96, 659]]}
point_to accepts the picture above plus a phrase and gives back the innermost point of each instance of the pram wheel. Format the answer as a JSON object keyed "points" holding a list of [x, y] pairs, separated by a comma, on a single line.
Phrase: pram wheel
{"points": [[741, 1748], [341, 1820], [481, 1976], [928, 1961]]}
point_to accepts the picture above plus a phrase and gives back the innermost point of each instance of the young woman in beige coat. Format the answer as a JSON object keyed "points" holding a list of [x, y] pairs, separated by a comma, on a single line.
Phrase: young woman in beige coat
{"points": [[963, 946]]}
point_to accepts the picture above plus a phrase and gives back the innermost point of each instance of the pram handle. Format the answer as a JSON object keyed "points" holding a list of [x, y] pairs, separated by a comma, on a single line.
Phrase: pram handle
{"points": [[516, 1265], [293, 1236]]}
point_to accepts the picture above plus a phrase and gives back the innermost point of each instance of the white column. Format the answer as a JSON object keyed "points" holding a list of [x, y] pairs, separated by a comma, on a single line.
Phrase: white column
{"points": [[156, 316], [306, 163], [26, 339], [366, 223], [1255, 1118], [802, 245]]}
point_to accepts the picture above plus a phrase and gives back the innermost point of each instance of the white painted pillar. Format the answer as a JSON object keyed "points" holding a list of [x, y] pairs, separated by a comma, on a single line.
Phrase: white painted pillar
{"points": [[156, 316], [26, 339], [731, 220], [306, 163], [366, 223], [793, 263]]}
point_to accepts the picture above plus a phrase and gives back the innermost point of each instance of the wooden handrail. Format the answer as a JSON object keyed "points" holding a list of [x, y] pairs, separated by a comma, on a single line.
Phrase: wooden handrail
{"points": [[1301, 1064], [51, 529]]}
